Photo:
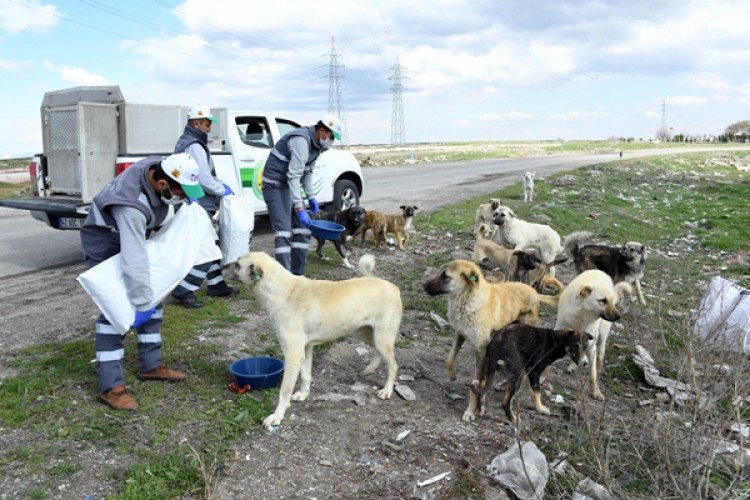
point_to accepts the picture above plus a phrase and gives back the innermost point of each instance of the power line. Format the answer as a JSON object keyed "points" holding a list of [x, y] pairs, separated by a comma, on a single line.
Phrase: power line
{"points": [[397, 116], [335, 76]]}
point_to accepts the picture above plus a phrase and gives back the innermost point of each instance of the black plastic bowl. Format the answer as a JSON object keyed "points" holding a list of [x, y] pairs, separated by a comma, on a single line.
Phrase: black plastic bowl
{"points": [[326, 229], [259, 372]]}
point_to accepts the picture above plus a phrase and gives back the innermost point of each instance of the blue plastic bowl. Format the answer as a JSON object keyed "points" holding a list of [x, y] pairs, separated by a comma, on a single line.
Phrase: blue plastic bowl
{"points": [[325, 229], [260, 372]]}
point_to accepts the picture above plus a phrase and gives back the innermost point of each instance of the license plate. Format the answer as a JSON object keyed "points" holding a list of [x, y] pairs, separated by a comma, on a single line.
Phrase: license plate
{"points": [[70, 223]]}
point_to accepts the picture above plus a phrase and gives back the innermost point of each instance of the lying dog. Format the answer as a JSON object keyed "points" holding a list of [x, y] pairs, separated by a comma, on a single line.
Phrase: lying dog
{"points": [[476, 308], [351, 218], [519, 234], [309, 312], [485, 211], [623, 263], [520, 350], [528, 186], [589, 303], [381, 224]]}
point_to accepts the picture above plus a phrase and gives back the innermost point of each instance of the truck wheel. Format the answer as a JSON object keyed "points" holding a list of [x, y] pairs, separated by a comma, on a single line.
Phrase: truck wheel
{"points": [[345, 195]]}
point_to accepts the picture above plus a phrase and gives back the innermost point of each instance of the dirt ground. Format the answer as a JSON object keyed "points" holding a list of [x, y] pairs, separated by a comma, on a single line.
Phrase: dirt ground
{"points": [[343, 442]]}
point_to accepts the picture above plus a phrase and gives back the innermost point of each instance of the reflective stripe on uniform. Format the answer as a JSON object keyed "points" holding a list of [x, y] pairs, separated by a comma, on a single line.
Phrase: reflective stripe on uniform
{"points": [[103, 356]]}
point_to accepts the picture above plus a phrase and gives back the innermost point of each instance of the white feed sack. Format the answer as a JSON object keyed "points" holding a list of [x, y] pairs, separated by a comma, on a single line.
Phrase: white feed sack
{"points": [[236, 224], [723, 319], [188, 239]]}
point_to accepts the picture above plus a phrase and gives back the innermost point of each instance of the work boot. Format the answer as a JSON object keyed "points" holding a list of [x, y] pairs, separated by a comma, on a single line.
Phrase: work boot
{"points": [[118, 399], [222, 290], [190, 301], [163, 372]]}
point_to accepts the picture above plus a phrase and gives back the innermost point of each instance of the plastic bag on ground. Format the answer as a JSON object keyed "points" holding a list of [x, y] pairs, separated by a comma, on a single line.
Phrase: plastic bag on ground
{"points": [[522, 470]]}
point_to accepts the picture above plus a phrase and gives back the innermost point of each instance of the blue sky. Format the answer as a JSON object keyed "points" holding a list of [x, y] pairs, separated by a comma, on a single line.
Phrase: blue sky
{"points": [[474, 69]]}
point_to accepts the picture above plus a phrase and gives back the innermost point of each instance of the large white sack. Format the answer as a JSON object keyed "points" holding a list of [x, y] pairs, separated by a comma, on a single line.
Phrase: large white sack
{"points": [[723, 319], [236, 224], [187, 239]]}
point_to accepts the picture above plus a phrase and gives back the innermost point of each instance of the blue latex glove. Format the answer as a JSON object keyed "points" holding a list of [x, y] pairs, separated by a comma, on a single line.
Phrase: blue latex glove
{"points": [[142, 317], [227, 190], [190, 200], [314, 206], [303, 217]]}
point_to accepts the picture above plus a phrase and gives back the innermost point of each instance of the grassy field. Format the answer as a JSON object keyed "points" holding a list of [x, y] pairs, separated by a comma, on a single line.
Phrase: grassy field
{"points": [[691, 212]]}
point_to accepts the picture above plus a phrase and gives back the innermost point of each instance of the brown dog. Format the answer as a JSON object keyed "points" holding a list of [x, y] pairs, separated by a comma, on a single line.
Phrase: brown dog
{"points": [[476, 308], [520, 351], [381, 224]]}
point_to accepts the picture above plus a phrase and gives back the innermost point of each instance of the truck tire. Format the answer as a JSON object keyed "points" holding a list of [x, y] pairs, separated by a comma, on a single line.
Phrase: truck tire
{"points": [[345, 195]]}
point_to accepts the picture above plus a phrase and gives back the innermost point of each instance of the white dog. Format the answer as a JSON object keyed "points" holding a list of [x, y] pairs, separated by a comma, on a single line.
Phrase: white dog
{"points": [[520, 235], [528, 186], [589, 303], [308, 312]]}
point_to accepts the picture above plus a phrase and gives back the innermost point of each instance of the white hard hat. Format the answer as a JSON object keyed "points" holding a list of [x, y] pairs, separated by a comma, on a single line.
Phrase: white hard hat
{"points": [[181, 167], [201, 112], [332, 123]]}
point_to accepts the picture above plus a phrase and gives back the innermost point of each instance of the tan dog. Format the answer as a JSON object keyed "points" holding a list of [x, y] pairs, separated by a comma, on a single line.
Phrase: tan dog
{"points": [[520, 234], [382, 224], [485, 211], [589, 303], [476, 308], [309, 312]]}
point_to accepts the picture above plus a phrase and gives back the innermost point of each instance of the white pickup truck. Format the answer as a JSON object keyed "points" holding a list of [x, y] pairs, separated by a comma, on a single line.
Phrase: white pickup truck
{"points": [[91, 134]]}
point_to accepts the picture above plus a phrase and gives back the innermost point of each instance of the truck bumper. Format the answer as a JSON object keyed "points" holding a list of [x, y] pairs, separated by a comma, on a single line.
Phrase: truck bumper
{"points": [[58, 214]]}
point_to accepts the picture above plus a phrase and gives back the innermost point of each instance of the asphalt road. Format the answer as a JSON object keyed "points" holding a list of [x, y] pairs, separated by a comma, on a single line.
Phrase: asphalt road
{"points": [[28, 245]]}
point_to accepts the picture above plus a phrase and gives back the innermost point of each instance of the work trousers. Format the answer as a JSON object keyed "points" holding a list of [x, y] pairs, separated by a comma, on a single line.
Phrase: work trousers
{"points": [[291, 238]]}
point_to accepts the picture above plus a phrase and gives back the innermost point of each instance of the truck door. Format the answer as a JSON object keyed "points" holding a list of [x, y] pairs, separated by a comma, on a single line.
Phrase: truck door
{"points": [[251, 151]]}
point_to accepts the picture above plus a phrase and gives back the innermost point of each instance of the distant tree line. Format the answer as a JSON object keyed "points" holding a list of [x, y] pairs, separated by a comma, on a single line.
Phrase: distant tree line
{"points": [[736, 132]]}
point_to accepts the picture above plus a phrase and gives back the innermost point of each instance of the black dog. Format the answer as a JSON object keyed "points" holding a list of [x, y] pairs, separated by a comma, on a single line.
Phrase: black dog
{"points": [[520, 349], [351, 218], [624, 263]]}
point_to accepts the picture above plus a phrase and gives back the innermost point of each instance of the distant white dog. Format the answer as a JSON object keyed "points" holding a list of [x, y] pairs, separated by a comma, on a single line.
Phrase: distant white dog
{"points": [[528, 186], [520, 235]]}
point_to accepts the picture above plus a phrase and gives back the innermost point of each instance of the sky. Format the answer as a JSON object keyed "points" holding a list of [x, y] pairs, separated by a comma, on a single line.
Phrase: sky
{"points": [[470, 70]]}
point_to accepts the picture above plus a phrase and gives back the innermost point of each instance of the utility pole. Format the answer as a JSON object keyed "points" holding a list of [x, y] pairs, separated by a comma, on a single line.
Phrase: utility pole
{"points": [[397, 117], [663, 113], [335, 76]]}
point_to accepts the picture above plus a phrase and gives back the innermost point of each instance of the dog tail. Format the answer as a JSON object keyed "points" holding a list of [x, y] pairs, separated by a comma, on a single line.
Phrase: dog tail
{"points": [[552, 282], [366, 265], [552, 300], [622, 289], [576, 240]]}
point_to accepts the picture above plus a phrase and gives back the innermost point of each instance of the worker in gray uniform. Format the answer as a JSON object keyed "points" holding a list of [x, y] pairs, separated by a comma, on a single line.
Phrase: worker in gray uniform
{"points": [[289, 168], [122, 217], [194, 140]]}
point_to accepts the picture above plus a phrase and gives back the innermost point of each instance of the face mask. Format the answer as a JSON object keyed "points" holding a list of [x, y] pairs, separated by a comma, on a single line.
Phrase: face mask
{"points": [[326, 143], [168, 198]]}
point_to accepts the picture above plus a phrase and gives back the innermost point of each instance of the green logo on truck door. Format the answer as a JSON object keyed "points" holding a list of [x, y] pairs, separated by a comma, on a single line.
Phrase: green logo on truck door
{"points": [[253, 178]]}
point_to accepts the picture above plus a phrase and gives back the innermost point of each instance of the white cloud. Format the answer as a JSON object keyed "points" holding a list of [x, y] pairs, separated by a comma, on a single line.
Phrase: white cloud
{"points": [[19, 16], [15, 66], [76, 76]]}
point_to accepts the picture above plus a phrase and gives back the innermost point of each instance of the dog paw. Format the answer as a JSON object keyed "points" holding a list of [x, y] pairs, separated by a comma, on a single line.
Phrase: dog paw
{"points": [[300, 395], [543, 410], [469, 416], [385, 393], [597, 394], [642, 302], [272, 420]]}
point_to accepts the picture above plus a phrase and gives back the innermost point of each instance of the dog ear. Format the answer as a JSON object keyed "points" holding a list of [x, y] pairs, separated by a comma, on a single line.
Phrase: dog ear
{"points": [[511, 212], [402, 207], [494, 203], [472, 278], [585, 292]]}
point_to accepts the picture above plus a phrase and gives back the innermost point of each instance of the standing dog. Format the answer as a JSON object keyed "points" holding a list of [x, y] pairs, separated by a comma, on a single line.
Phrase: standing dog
{"points": [[309, 312], [381, 224], [476, 308], [520, 350], [528, 186], [351, 218], [623, 263], [589, 303], [519, 234], [485, 211]]}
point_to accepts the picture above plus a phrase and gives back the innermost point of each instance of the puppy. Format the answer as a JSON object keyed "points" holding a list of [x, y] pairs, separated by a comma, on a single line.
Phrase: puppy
{"points": [[528, 186], [308, 312], [589, 303], [520, 350], [476, 308], [485, 211], [381, 224], [519, 234], [351, 218], [623, 263]]}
